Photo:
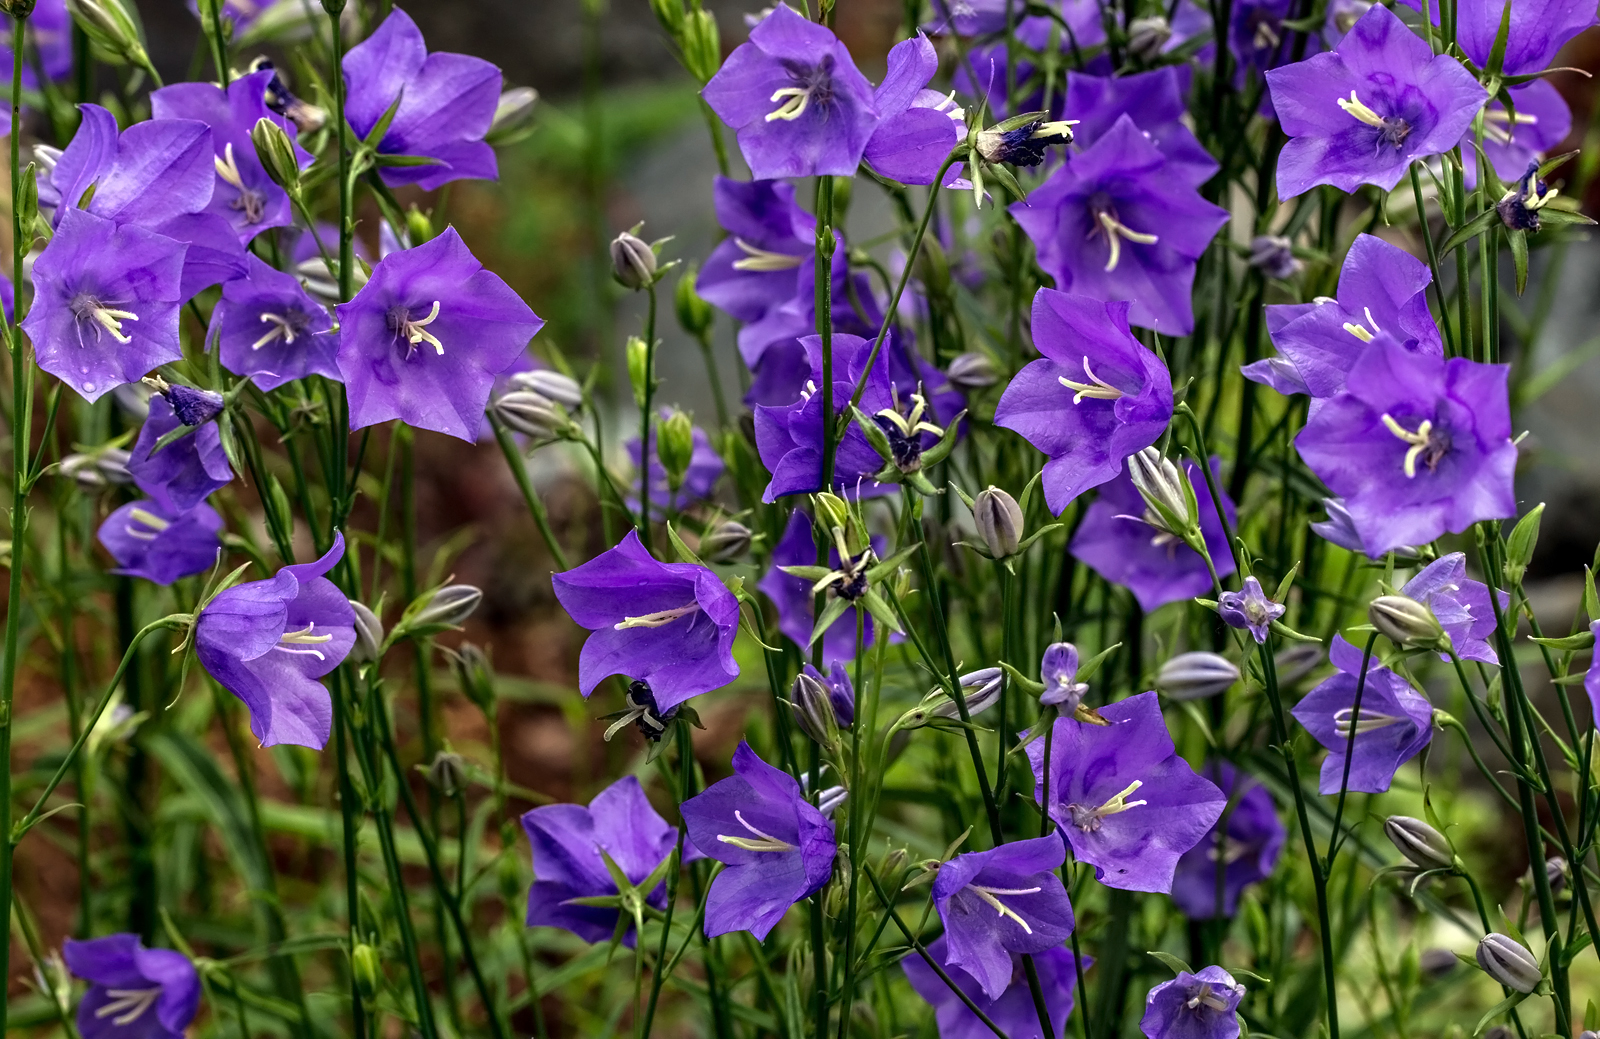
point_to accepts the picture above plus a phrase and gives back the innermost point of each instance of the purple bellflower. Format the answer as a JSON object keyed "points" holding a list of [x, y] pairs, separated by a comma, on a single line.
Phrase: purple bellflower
{"points": [[1542, 121], [1119, 221], [1155, 102], [567, 841], [705, 469], [1003, 901], [777, 846], [1460, 604], [1394, 724], [149, 541], [919, 127], [795, 600], [267, 642], [670, 625], [425, 337], [1115, 542], [1202, 1005], [184, 473], [1013, 1011], [841, 691], [1591, 678], [105, 308], [1058, 670], [446, 104], [1249, 608], [1362, 113], [1259, 39], [1097, 395], [795, 99], [1538, 29], [134, 992], [1415, 445], [1125, 801], [1223, 864], [757, 267], [271, 329]]}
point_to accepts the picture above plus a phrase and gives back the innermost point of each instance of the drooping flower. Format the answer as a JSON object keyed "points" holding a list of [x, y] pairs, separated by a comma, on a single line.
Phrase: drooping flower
{"points": [[918, 127], [270, 329], [134, 992], [670, 625], [1538, 29], [1094, 398], [1014, 1011], [149, 541], [105, 307], [795, 600], [1394, 724], [1460, 604], [1223, 864], [1119, 222], [1415, 445], [795, 100], [705, 469], [758, 266], [1362, 113], [268, 642], [1125, 801], [999, 902], [1202, 1005], [186, 471], [567, 840], [446, 104], [425, 337], [777, 846], [1156, 566], [1249, 608], [1155, 102]]}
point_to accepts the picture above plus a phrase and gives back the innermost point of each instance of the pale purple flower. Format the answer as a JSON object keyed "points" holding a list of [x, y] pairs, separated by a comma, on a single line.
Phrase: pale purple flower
{"points": [[1460, 604], [918, 127], [149, 541], [1394, 724], [1202, 1005], [1014, 1011], [1538, 29], [269, 328], [1249, 608], [1155, 102], [134, 992], [1246, 853], [770, 239], [1058, 670]]}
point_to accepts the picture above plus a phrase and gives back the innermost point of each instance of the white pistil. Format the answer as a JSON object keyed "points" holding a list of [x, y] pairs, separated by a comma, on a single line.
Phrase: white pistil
{"points": [[1096, 387], [1419, 441], [303, 636], [145, 519], [1116, 231], [1266, 36], [761, 842], [1346, 723], [227, 168], [764, 260], [656, 620], [416, 330], [1207, 998], [810, 388], [1355, 108], [988, 895], [795, 100], [1359, 330], [111, 320], [282, 328], [128, 1004]]}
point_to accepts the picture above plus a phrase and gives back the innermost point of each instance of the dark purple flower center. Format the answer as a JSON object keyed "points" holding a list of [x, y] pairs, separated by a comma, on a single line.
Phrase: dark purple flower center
{"points": [[1519, 208], [412, 330], [813, 85], [1392, 129]]}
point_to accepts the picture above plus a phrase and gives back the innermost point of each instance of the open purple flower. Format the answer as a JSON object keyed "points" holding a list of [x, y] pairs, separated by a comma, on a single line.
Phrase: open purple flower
{"points": [[795, 99], [1120, 221], [567, 841], [1415, 445], [270, 329], [1155, 102], [1460, 604], [777, 846], [1013, 1010], [267, 642], [1249, 608], [1003, 901], [1158, 568], [149, 541], [1125, 801], [186, 471], [1395, 722], [918, 127], [134, 992], [1202, 1005], [1591, 677], [1096, 396], [48, 33], [1260, 40], [425, 337], [446, 104], [1538, 29], [670, 625], [1362, 113], [1246, 853], [757, 267], [795, 600], [705, 469], [105, 307]]}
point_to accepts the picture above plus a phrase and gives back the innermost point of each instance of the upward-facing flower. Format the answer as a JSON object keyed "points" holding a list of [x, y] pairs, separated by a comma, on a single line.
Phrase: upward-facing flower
{"points": [[1249, 608], [270, 328], [567, 841], [425, 337], [1014, 1011], [150, 541], [1415, 445], [1395, 722], [446, 104], [1538, 29], [758, 266], [1245, 853], [919, 127], [1119, 222], [267, 642], [1201, 1005], [670, 625], [1155, 102], [134, 992], [793, 95], [778, 847], [1362, 113], [1125, 801], [1094, 398], [1460, 604], [186, 471]]}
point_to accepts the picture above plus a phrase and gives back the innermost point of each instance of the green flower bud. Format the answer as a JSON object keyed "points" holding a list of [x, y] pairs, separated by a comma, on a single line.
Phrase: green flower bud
{"points": [[112, 28], [812, 707], [638, 354], [369, 634], [701, 44], [513, 116], [670, 14], [1146, 37], [419, 226], [675, 446], [1405, 621], [694, 313], [725, 542], [367, 968], [447, 773], [276, 153], [1520, 545], [1165, 490], [474, 674]]}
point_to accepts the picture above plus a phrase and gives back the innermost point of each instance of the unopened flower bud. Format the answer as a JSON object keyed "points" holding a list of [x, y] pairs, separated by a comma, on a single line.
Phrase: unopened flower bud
{"points": [[474, 674], [670, 14], [531, 413], [191, 406], [447, 773], [972, 371], [1023, 145], [1436, 963], [633, 262], [1555, 871], [369, 634], [1146, 37], [1507, 961], [552, 385], [725, 542], [107, 466], [17, 8], [894, 860], [276, 153], [701, 44], [1419, 842], [638, 357], [419, 226], [367, 969], [440, 610], [999, 520], [981, 689], [110, 26], [675, 446], [1194, 676], [694, 313], [1273, 255], [813, 708], [1296, 661], [513, 116], [1405, 621], [1165, 490]]}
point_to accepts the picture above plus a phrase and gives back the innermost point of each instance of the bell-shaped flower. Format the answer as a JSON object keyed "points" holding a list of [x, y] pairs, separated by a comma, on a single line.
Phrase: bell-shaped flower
{"points": [[1542, 121], [1013, 1010], [134, 992], [47, 34], [1155, 102], [758, 266], [270, 329], [1537, 29], [186, 471], [919, 127], [1249, 608], [1460, 604], [150, 541], [1202, 1005], [1241, 849], [1259, 39], [1394, 723]]}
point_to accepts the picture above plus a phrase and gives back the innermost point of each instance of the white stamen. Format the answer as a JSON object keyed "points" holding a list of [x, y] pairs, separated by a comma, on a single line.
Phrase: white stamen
{"points": [[1419, 441], [111, 320], [1096, 387], [794, 105], [281, 328], [1355, 108], [761, 842], [1346, 725], [764, 260], [656, 620], [415, 333], [227, 168], [129, 1004], [145, 519], [303, 636], [988, 895], [1115, 231]]}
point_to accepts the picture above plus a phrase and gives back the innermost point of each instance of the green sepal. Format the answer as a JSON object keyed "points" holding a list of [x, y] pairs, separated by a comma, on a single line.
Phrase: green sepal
{"points": [[874, 434], [1240, 972], [1553, 162], [1519, 256], [940, 451], [685, 553], [1470, 230], [1022, 681], [1027, 492], [171, 436], [1591, 601], [1017, 122], [1550, 216], [384, 159], [1007, 180], [884, 567], [830, 613], [381, 127], [1280, 628], [1090, 667], [1028, 541], [1171, 962], [966, 499], [809, 571], [880, 611], [1497, 53], [1507, 1004], [1569, 643], [1284, 585]]}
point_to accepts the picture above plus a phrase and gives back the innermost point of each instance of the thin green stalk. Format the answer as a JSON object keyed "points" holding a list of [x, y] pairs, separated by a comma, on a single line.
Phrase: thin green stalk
{"points": [[853, 808], [519, 471], [1349, 752], [348, 833], [1452, 347], [680, 737], [824, 308], [644, 419]]}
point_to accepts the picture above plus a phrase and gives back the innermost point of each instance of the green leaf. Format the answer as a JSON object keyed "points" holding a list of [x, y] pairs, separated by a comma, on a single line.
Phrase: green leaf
{"points": [[1240, 972], [1568, 643], [1022, 681], [1090, 667], [1519, 256], [172, 436], [1169, 961], [830, 613], [685, 553], [1285, 584], [382, 159], [381, 127], [1470, 230], [1497, 53], [885, 567], [1499, 1008]]}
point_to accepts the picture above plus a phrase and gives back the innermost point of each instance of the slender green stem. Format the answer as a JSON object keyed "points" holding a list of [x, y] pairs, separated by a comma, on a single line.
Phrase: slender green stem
{"points": [[824, 308], [519, 472], [350, 823], [647, 396], [1349, 752]]}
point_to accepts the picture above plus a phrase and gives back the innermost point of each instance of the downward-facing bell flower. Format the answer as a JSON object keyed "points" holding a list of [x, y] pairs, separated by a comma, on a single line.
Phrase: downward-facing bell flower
{"points": [[134, 992], [1058, 670], [1394, 723], [770, 238], [1202, 1005], [1241, 849], [269, 328], [149, 540], [1013, 1010], [186, 471], [268, 642]]}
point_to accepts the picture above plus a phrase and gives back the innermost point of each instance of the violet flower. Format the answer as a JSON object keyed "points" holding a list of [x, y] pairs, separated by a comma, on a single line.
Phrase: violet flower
{"points": [[919, 127], [105, 306], [999, 902], [134, 992], [1246, 853], [1014, 1011], [1260, 40], [567, 840], [1120, 221], [267, 642], [1125, 801], [668, 625], [1395, 722], [446, 104], [270, 328], [1202, 1005], [1249, 608], [777, 846], [795, 600], [705, 469], [425, 337], [1058, 670], [1415, 445], [1460, 604], [1155, 102], [1542, 122], [186, 471], [1362, 113], [149, 541], [1097, 395], [1538, 29], [757, 267], [1157, 567], [1591, 677]]}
